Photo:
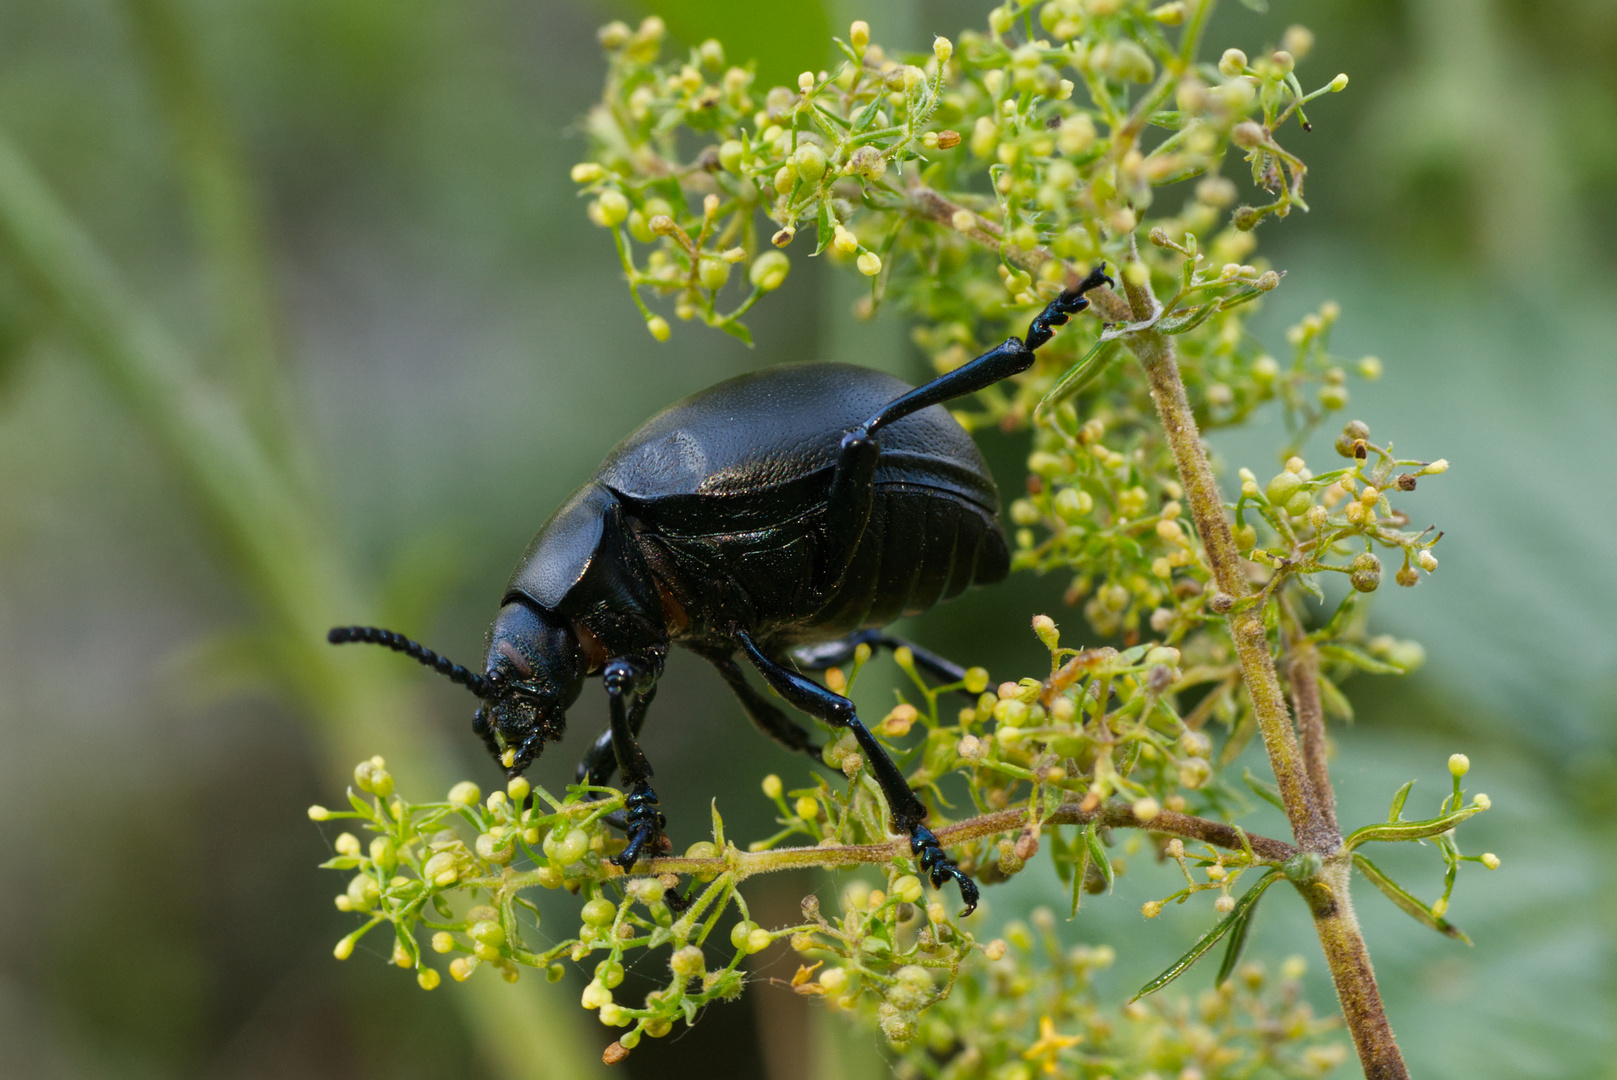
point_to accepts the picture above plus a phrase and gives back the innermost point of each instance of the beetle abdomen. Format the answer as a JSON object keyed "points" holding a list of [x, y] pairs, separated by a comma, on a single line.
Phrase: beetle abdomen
{"points": [[922, 546]]}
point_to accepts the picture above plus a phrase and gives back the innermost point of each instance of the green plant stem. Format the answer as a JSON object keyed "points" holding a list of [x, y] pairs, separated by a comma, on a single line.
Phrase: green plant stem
{"points": [[1116, 815], [291, 566], [225, 214], [1327, 894]]}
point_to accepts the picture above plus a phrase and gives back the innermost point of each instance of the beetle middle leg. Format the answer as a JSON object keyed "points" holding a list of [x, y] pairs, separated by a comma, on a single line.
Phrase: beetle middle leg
{"points": [[907, 809], [762, 712], [625, 682]]}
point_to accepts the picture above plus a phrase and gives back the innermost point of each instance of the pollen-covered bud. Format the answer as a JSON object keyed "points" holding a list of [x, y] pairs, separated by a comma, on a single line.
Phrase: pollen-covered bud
{"points": [[1407, 577], [1365, 572], [1224, 904], [1427, 561], [1151, 908], [1318, 516], [440, 869], [1232, 63], [1045, 628], [687, 962]]}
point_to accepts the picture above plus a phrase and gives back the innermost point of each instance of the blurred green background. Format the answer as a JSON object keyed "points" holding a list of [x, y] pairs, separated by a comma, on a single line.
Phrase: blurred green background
{"points": [[353, 219]]}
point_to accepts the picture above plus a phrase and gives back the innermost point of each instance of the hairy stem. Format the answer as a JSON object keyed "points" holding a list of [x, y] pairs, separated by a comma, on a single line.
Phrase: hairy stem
{"points": [[1302, 671], [1303, 796], [1115, 815]]}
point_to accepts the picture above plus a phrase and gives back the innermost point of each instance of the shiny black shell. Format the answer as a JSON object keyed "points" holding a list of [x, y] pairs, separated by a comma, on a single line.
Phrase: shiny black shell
{"points": [[722, 498]]}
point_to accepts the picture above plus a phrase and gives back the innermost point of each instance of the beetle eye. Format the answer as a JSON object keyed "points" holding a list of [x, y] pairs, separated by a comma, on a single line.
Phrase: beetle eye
{"points": [[518, 661]]}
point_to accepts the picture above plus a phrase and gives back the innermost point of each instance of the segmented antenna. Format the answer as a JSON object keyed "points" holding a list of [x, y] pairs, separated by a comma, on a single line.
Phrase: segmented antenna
{"points": [[375, 635]]}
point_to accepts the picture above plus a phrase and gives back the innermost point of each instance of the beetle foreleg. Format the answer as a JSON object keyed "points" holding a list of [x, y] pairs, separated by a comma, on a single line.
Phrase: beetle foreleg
{"points": [[601, 761], [907, 810], [625, 682]]}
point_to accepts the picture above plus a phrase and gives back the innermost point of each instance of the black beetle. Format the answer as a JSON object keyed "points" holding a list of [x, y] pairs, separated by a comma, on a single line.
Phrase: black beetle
{"points": [[762, 515]]}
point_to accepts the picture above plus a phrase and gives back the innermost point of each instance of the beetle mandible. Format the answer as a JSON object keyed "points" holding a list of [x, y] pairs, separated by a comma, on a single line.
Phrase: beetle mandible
{"points": [[787, 514]]}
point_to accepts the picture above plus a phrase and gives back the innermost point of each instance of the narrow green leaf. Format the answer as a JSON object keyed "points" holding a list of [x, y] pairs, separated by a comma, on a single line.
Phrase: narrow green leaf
{"points": [[735, 329], [1097, 852], [1263, 790], [1410, 905], [1335, 702], [1398, 801], [826, 228], [1080, 375], [1080, 871], [1237, 935], [1348, 654], [1394, 831], [1211, 938], [718, 826], [1310, 586]]}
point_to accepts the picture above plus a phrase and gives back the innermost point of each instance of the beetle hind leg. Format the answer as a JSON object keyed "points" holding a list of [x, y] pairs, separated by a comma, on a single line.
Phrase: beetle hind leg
{"points": [[907, 810], [840, 652]]}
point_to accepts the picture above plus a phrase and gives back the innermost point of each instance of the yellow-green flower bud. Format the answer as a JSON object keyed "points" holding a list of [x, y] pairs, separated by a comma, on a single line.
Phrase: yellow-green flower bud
{"points": [[1232, 63], [1459, 765], [711, 53], [428, 979], [942, 48], [772, 786], [465, 793], [319, 813], [1481, 801], [487, 932], [363, 892], [731, 155], [712, 272], [587, 172], [687, 962], [599, 912], [443, 941], [1285, 484], [759, 940], [1147, 809], [612, 208], [976, 680], [440, 869], [869, 264], [1490, 860], [659, 327], [739, 932], [1339, 84], [907, 889], [810, 162], [595, 995], [568, 848], [609, 973], [1365, 572], [1151, 908], [768, 270], [1370, 368], [859, 35], [347, 844], [1427, 561]]}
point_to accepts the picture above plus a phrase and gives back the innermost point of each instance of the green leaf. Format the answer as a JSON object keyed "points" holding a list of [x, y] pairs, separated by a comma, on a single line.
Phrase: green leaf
{"points": [[1097, 853], [1310, 586], [1237, 935], [1395, 831], [1410, 905], [1263, 790], [1349, 654], [1080, 375], [1335, 702], [1238, 914], [737, 330], [1080, 871], [718, 827], [827, 228], [1398, 801]]}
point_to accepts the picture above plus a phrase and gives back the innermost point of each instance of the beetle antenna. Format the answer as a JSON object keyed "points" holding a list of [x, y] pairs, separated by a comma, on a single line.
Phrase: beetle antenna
{"points": [[375, 635]]}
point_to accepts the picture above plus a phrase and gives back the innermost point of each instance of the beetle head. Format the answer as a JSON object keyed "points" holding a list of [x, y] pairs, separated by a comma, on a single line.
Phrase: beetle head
{"points": [[534, 672]]}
